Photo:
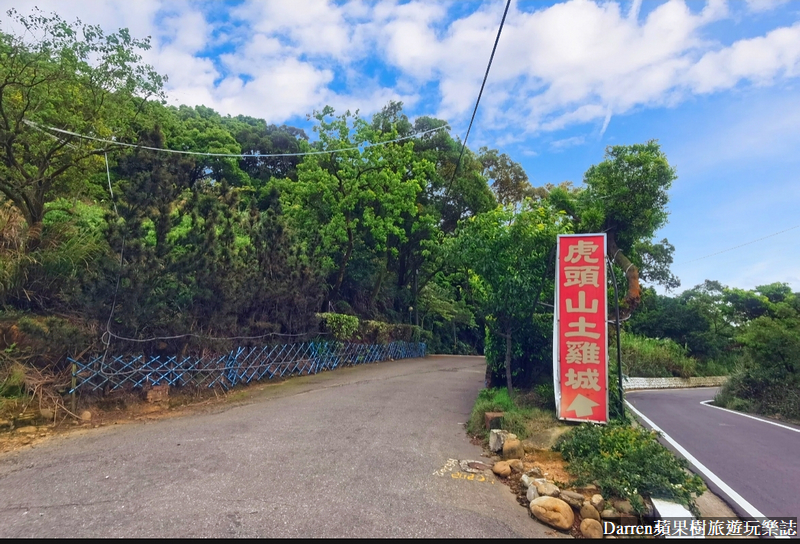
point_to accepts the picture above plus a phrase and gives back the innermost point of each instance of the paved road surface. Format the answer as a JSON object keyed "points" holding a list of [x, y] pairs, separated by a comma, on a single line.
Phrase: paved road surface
{"points": [[759, 461], [349, 453]]}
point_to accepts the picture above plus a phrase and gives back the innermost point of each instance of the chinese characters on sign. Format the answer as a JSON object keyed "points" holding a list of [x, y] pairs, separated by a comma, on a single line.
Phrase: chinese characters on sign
{"points": [[711, 527], [580, 341]]}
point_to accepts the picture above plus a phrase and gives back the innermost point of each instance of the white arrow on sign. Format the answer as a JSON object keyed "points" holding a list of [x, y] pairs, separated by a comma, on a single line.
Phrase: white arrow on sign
{"points": [[582, 406]]}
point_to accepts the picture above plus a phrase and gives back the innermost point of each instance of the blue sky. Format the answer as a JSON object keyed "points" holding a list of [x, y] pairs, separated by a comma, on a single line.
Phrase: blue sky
{"points": [[715, 82]]}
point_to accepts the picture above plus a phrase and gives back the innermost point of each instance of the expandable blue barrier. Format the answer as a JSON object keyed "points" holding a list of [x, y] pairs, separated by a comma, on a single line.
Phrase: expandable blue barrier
{"points": [[241, 365]]}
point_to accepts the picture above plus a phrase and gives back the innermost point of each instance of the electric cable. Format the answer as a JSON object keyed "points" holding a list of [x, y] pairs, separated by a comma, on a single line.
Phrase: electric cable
{"points": [[741, 245], [229, 155], [480, 93]]}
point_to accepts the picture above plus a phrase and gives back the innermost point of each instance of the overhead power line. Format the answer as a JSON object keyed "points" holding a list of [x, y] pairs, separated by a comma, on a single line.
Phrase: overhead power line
{"points": [[480, 93], [228, 155], [741, 245]]}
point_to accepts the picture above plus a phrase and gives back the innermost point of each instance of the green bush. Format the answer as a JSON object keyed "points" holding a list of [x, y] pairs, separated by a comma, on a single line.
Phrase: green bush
{"points": [[767, 380], [653, 358], [341, 327], [628, 462]]}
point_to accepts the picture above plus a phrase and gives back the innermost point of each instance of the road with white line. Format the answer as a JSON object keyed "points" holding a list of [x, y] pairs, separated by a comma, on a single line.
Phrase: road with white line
{"points": [[753, 463]]}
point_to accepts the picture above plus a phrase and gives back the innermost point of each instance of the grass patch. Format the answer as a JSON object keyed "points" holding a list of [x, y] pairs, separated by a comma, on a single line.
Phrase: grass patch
{"points": [[522, 416], [628, 462]]}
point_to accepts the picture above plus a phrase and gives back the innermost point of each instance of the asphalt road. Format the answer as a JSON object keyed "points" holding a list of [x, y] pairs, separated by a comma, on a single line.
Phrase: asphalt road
{"points": [[349, 453], [757, 460]]}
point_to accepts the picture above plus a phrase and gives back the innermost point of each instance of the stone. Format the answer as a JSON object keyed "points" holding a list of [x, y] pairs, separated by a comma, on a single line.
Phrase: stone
{"points": [[623, 506], [526, 481], [512, 449], [28, 429], [516, 465], [598, 502], [547, 489], [591, 528], [501, 468], [529, 446], [493, 420], [609, 513], [6, 424], [497, 438], [589, 512], [553, 512], [573, 499], [86, 415], [531, 493], [474, 467], [157, 393], [535, 472], [47, 414]]}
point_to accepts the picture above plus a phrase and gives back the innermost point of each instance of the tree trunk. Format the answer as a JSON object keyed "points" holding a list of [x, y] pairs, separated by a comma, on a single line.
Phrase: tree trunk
{"points": [[416, 293], [379, 281], [34, 236], [634, 293], [508, 362], [340, 277]]}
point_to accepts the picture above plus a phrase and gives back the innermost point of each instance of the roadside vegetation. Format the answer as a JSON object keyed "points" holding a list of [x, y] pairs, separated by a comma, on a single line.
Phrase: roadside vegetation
{"points": [[753, 336], [628, 462], [523, 415]]}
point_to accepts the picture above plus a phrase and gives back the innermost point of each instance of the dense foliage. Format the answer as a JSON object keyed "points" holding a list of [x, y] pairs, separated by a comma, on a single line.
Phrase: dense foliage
{"points": [[628, 462]]}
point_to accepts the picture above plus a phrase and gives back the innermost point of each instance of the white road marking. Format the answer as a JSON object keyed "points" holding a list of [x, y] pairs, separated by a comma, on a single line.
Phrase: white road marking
{"points": [[751, 510], [705, 403]]}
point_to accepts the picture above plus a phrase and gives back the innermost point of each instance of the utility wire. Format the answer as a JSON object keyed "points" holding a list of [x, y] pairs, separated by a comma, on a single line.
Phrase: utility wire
{"points": [[741, 245], [478, 101], [205, 337], [233, 155]]}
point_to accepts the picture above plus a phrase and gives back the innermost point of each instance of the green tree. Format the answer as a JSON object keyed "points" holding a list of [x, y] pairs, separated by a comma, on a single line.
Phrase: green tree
{"points": [[507, 254], [507, 178], [626, 197], [353, 199], [73, 77]]}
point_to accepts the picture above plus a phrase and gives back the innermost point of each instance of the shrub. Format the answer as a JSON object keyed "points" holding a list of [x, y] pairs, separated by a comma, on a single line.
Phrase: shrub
{"points": [[767, 380], [653, 358], [340, 326], [628, 462]]}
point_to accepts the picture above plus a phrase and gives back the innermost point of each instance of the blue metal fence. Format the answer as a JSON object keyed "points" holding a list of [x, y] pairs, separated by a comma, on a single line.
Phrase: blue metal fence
{"points": [[240, 365]]}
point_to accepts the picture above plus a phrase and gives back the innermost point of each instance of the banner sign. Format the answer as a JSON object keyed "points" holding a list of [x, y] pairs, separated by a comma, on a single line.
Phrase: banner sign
{"points": [[580, 329]]}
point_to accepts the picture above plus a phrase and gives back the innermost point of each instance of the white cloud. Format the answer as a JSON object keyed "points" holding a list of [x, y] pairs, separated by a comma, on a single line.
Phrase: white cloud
{"points": [[572, 63], [759, 60], [764, 5], [560, 145]]}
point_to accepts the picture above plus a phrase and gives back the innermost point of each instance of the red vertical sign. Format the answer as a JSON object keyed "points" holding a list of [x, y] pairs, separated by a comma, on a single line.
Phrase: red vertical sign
{"points": [[580, 342]]}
